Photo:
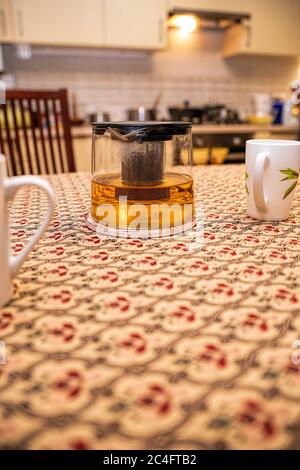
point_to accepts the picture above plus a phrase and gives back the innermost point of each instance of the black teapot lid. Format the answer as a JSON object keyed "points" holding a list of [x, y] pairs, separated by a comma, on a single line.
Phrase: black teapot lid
{"points": [[143, 131]]}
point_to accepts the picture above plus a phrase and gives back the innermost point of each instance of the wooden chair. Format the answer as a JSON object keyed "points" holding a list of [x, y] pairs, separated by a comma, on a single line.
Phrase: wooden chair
{"points": [[35, 132]]}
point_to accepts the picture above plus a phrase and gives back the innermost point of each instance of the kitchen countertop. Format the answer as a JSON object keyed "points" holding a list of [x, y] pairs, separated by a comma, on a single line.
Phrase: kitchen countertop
{"points": [[86, 130], [241, 128], [152, 344]]}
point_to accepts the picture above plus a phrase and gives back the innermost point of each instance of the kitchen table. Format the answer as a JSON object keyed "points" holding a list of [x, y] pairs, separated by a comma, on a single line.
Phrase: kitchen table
{"points": [[129, 344]]}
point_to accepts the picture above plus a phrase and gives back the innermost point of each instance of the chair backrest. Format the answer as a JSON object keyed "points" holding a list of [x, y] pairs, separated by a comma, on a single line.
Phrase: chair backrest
{"points": [[35, 132]]}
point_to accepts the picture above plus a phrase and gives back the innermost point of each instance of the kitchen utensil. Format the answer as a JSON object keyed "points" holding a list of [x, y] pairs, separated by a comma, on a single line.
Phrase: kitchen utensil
{"points": [[141, 114], [212, 113], [186, 114], [9, 266], [262, 104], [157, 100], [272, 170]]}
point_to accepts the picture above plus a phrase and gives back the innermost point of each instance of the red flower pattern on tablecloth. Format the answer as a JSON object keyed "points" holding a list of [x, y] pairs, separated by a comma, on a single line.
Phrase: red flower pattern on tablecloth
{"points": [[157, 398], [69, 385], [6, 319], [184, 313], [214, 354], [286, 295], [135, 341], [121, 303], [100, 256], [64, 296]]}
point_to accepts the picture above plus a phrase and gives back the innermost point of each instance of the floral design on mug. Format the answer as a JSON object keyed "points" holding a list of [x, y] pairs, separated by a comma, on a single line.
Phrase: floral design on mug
{"points": [[290, 175], [246, 177]]}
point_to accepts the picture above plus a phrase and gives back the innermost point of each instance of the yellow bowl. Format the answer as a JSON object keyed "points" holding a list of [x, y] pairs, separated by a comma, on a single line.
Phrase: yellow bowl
{"points": [[200, 156], [253, 119], [218, 155]]}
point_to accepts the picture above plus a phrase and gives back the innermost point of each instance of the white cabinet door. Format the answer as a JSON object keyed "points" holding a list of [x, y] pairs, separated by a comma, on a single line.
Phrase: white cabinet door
{"points": [[271, 26], [6, 23], [269, 32], [63, 22], [137, 24], [211, 5]]}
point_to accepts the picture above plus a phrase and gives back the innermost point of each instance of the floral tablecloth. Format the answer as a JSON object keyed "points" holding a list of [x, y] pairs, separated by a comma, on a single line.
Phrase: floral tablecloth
{"points": [[134, 344]]}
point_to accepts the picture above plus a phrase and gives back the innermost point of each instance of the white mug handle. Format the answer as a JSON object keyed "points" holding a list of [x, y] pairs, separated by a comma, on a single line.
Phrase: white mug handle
{"points": [[11, 187], [260, 199]]}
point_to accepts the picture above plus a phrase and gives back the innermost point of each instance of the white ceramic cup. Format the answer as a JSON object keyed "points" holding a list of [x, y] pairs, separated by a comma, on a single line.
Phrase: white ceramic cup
{"points": [[9, 265], [272, 169]]}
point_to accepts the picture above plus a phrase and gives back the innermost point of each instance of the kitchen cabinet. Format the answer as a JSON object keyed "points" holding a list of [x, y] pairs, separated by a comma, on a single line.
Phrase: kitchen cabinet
{"points": [[271, 30], [67, 22], [227, 6], [138, 24], [6, 22]]}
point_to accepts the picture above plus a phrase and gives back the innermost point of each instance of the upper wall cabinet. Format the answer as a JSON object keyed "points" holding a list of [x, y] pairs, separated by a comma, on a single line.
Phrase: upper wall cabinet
{"points": [[272, 29], [6, 21], [138, 24], [60, 22], [211, 5]]}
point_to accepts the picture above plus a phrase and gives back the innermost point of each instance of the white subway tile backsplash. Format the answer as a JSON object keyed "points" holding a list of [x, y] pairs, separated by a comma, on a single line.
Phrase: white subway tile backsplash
{"points": [[113, 82]]}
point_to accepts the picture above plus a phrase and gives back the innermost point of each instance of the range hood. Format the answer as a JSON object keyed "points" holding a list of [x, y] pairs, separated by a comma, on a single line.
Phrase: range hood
{"points": [[212, 19]]}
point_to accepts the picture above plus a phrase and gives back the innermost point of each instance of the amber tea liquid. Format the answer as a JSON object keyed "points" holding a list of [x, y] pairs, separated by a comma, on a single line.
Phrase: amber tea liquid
{"points": [[163, 205]]}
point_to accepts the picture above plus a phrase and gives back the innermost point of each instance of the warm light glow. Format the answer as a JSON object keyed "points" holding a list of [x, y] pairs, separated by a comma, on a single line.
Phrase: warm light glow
{"points": [[186, 23]]}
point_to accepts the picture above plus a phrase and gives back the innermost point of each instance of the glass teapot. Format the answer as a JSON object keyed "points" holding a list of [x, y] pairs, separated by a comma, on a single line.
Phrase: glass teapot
{"points": [[142, 183]]}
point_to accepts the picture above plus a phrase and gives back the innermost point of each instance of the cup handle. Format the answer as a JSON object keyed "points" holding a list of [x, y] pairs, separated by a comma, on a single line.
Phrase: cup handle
{"points": [[11, 187], [260, 199]]}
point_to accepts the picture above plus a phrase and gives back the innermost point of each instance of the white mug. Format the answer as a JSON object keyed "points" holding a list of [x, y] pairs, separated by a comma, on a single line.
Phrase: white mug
{"points": [[9, 265], [272, 170]]}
